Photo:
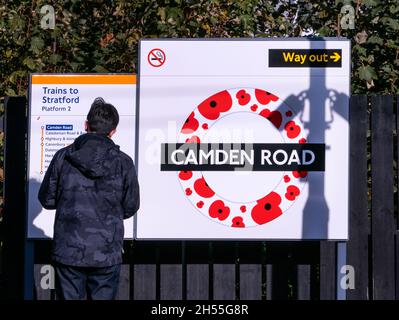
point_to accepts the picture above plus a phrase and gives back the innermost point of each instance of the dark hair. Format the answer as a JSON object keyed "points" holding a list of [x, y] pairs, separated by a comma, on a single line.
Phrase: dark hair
{"points": [[103, 117]]}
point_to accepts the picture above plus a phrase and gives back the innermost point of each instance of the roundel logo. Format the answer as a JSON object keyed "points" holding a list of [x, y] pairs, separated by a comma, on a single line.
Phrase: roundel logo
{"points": [[249, 183]]}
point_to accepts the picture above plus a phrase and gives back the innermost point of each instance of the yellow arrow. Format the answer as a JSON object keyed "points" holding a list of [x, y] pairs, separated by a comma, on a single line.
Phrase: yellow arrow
{"points": [[335, 57]]}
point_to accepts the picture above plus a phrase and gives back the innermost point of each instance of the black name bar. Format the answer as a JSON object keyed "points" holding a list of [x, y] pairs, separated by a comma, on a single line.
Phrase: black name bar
{"points": [[242, 156], [305, 58]]}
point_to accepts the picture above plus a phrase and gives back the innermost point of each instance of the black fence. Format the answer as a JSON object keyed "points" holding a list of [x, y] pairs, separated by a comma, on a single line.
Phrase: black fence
{"points": [[188, 270]]}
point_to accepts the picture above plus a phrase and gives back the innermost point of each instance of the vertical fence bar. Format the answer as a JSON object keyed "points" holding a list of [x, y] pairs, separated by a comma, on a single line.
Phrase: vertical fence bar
{"points": [[269, 281], [383, 223], [250, 270], [171, 279], [124, 281], [250, 281], [359, 222], [197, 282], [42, 292], [224, 271], [341, 265], [197, 271], [397, 265], [144, 281], [144, 266], [14, 224], [397, 208], [224, 281], [303, 282], [328, 258], [277, 256]]}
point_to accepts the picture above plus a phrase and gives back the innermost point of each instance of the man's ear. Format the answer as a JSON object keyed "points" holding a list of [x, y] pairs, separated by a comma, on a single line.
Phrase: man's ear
{"points": [[86, 126], [111, 133]]}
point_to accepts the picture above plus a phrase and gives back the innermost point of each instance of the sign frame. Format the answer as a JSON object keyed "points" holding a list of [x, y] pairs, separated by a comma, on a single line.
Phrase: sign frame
{"points": [[28, 140], [288, 40]]}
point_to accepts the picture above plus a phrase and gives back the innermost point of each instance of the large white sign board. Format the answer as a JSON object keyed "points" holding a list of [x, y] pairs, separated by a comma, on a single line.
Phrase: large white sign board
{"points": [[58, 108], [243, 139]]}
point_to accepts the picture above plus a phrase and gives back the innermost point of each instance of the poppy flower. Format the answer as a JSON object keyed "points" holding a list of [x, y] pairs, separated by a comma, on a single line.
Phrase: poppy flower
{"points": [[219, 210], [238, 222], [299, 174], [292, 193], [193, 139], [190, 125], [214, 105], [274, 117], [264, 97], [185, 175], [292, 129], [202, 188], [267, 208], [243, 97]]}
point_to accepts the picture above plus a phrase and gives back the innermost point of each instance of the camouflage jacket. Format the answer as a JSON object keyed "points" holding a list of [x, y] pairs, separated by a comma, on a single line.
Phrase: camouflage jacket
{"points": [[93, 186]]}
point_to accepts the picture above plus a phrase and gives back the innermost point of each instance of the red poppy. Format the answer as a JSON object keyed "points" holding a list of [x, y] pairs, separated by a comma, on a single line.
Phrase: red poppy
{"points": [[205, 126], [202, 188], [243, 208], [267, 208], [238, 222], [185, 175], [288, 113], [190, 125], [274, 117], [254, 107], [299, 174], [200, 204], [189, 192], [292, 129], [264, 97], [243, 97], [193, 139], [302, 141], [219, 210], [214, 105], [287, 178], [292, 193]]}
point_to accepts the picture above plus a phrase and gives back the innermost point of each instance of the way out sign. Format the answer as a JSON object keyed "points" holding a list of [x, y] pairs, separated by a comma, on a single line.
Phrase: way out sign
{"points": [[58, 107], [294, 58], [247, 139]]}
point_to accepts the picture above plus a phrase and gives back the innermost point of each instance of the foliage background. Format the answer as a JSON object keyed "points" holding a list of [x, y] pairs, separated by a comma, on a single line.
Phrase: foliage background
{"points": [[102, 35]]}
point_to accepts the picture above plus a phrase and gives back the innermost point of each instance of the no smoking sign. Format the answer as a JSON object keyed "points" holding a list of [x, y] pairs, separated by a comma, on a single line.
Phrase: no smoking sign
{"points": [[156, 58]]}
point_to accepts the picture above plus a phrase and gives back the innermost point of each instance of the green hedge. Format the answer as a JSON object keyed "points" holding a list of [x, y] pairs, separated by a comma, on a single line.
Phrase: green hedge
{"points": [[101, 36]]}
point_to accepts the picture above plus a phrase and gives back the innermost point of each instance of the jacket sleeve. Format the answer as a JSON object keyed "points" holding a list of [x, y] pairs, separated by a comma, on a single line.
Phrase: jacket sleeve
{"points": [[131, 195], [49, 187]]}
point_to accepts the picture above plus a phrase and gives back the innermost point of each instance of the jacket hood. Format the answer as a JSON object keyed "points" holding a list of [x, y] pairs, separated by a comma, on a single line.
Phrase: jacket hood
{"points": [[92, 154]]}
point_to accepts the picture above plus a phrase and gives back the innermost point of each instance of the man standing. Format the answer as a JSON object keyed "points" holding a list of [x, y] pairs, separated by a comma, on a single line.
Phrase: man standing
{"points": [[93, 186]]}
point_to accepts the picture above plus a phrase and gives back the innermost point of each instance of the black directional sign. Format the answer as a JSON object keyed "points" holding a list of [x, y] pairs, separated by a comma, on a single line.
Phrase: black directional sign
{"points": [[305, 58]]}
